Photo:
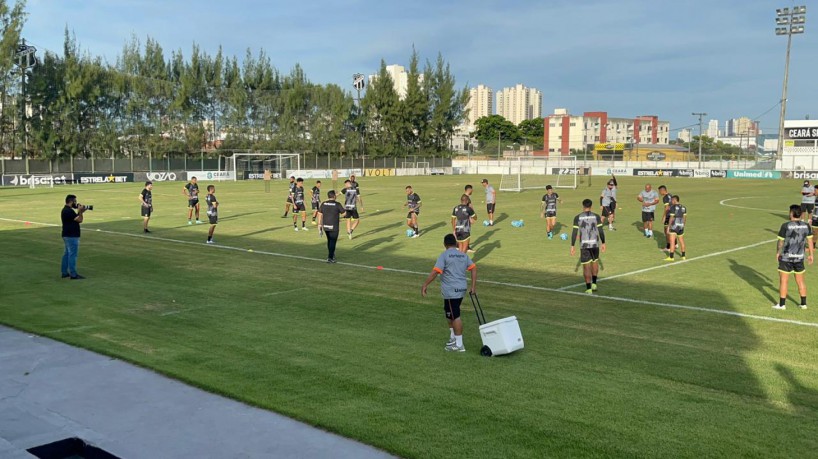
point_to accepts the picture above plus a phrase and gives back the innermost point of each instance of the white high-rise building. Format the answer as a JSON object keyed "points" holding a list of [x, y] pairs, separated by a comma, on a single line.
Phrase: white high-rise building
{"points": [[481, 103], [519, 103], [713, 129], [400, 79]]}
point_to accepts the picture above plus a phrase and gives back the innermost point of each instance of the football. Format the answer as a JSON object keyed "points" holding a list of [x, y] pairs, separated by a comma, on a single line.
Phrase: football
{"points": [[409, 233], [564, 237]]}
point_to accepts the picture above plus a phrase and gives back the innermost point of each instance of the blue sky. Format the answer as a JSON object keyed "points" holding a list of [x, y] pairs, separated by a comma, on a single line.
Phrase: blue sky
{"points": [[627, 57]]}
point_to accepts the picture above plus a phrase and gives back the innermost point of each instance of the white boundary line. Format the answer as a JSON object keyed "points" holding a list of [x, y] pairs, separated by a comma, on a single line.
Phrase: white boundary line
{"points": [[504, 284], [723, 202]]}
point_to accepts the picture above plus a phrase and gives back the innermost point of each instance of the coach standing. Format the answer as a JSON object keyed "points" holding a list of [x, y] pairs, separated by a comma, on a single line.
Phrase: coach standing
{"points": [[71, 236], [329, 222]]}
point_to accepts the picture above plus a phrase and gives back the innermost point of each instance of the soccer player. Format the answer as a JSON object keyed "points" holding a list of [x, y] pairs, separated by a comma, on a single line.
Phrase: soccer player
{"points": [[666, 201], [329, 222], [351, 206], [354, 182], [289, 201], [316, 200], [588, 226], [212, 211], [413, 203], [649, 199], [452, 266], [191, 192], [299, 205], [146, 199], [491, 200], [677, 215], [549, 209], [807, 199], [608, 203], [462, 219], [814, 219], [468, 190], [793, 238]]}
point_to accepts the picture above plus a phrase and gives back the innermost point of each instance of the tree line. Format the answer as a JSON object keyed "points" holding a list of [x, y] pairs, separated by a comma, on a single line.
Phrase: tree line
{"points": [[152, 102]]}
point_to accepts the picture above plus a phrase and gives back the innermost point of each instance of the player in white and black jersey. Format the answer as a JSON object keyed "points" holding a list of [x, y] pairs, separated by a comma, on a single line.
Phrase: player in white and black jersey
{"points": [[315, 200], [413, 204], [665, 199], [588, 226], [191, 192], [212, 211], [468, 190], [299, 205], [677, 219], [354, 182], [549, 209], [463, 218], [146, 199], [794, 238], [351, 206], [289, 201]]}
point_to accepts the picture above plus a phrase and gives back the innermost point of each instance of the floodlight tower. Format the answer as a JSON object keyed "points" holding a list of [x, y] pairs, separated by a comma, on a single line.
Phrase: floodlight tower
{"points": [[359, 84], [788, 21]]}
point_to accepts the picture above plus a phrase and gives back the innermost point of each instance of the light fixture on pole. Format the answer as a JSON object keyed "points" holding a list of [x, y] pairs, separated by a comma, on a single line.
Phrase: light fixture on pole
{"points": [[788, 21], [359, 84], [700, 115]]}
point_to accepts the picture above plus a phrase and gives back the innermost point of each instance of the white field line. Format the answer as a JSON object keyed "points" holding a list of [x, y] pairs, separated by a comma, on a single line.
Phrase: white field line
{"points": [[675, 263], [724, 202], [504, 284]]}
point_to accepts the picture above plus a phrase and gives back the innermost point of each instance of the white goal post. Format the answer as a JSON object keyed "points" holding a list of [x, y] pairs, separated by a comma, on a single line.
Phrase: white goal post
{"points": [[277, 163], [537, 172]]}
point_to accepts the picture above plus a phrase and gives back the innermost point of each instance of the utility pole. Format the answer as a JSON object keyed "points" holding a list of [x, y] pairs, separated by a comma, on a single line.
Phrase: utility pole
{"points": [[700, 115], [789, 22], [498, 145]]}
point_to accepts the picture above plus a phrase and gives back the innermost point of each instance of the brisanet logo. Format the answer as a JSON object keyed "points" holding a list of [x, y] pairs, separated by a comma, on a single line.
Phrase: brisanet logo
{"points": [[805, 175]]}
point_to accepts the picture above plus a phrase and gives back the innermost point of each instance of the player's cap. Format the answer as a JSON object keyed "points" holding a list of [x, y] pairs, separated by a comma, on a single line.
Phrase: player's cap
{"points": [[484, 181], [148, 183]]}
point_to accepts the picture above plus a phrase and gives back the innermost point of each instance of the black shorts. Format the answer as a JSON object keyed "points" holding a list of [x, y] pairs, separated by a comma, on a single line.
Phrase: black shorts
{"points": [[796, 267], [192, 203], [551, 214], [613, 206], [667, 220], [146, 211], [647, 216], [315, 206], [807, 208], [490, 207], [412, 212], [451, 307], [299, 207], [213, 219], [814, 221], [677, 231], [589, 255], [289, 200], [352, 214], [462, 236], [606, 211]]}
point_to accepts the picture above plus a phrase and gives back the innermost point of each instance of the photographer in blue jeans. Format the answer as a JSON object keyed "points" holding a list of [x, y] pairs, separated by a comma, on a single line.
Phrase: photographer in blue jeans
{"points": [[71, 220]]}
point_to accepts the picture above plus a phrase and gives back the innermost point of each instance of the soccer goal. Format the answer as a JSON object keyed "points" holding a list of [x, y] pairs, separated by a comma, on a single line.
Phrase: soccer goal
{"points": [[252, 165], [536, 172]]}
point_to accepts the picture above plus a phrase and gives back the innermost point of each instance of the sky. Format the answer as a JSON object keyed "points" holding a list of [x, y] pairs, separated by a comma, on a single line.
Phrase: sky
{"points": [[626, 57]]}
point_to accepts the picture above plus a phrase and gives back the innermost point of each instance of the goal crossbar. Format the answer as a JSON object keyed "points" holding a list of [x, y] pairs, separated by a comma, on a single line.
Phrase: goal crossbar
{"points": [[537, 172]]}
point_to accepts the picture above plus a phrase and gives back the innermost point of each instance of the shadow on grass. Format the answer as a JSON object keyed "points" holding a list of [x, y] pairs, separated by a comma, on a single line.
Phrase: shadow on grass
{"points": [[799, 394], [485, 250], [382, 229], [754, 279]]}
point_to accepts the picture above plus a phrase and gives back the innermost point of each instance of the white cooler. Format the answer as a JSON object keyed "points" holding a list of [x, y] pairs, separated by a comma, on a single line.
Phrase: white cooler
{"points": [[502, 336]]}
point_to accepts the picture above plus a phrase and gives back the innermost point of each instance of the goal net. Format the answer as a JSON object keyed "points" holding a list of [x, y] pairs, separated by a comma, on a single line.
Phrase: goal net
{"points": [[252, 165], [536, 172]]}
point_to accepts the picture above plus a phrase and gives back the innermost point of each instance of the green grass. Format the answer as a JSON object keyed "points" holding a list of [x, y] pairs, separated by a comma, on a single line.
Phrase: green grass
{"points": [[358, 351]]}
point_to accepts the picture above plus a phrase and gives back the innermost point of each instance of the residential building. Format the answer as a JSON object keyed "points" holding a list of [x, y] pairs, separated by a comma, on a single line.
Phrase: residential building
{"points": [[519, 103], [400, 79], [743, 126], [685, 135], [481, 103], [564, 132], [713, 129]]}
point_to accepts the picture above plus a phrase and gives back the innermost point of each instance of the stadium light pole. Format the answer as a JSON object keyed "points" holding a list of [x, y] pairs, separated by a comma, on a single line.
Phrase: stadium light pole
{"points": [[788, 22], [700, 115]]}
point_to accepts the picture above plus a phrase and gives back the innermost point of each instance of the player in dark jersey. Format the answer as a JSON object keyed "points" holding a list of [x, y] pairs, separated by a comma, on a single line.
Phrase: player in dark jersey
{"points": [[794, 237], [329, 223], [665, 198], [468, 190], [299, 205], [607, 202], [191, 192], [413, 204], [549, 209], [588, 226], [677, 218], [814, 217], [354, 182], [351, 206], [289, 201], [315, 200], [212, 211], [462, 219], [146, 199]]}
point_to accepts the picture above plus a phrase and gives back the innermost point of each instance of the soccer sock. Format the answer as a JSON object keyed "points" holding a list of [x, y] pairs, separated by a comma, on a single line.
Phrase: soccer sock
{"points": [[587, 286], [667, 246], [781, 301], [210, 238], [451, 333], [683, 254], [416, 229], [593, 279], [803, 301], [671, 254], [303, 223], [458, 340]]}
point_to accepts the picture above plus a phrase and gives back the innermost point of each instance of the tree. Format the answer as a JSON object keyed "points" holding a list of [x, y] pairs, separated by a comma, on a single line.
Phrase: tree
{"points": [[532, 132], [12, 19]]}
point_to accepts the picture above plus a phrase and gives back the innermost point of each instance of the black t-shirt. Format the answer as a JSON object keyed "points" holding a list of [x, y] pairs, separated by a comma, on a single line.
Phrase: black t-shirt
{"points": [[298, 195], [70, 227], [331, 215], [316, 194], [147, 196], [193, 191]]}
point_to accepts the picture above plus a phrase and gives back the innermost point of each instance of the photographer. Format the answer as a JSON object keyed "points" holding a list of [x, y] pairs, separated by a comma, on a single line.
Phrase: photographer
{"points": [[71, 235]]}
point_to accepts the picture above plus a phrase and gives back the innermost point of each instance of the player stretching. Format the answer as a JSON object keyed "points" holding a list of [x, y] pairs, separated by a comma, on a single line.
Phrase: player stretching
{"points": [[793, 237], [666, 198], [191, 192], [413, 203], [350, 204], [289, 201], [549, 209], [299, 205], [212, 211], [807, 199], [649, 199], [462, 219], [677, 214], [608, 203], [315, 200], [588, 226], [491, 200]]}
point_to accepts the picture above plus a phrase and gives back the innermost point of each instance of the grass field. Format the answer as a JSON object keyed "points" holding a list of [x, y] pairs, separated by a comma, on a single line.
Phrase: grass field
{"points": [[678, 360]]}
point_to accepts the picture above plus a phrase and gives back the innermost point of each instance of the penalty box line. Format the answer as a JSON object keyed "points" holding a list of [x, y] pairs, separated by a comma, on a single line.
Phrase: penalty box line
{"points": [[490, 282], [668, 265]]}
